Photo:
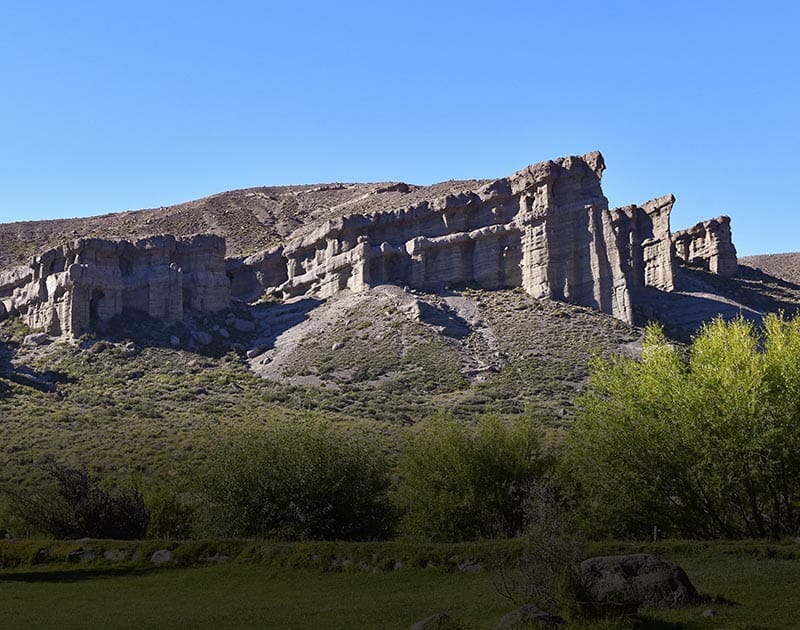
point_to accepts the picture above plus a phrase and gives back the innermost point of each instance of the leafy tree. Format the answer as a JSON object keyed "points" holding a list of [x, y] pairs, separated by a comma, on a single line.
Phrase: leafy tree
{"points": [[459, 482], [701, 444], [308, 481]]}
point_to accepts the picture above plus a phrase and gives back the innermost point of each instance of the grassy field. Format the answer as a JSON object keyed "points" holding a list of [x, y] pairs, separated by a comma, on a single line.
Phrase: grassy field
{"points": [[752, 586]]}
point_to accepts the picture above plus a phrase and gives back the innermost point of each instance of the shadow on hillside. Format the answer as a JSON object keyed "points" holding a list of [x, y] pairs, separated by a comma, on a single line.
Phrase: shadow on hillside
{"points": [[701, 296], [77, 575], [242, 328], [24, 375], [445, 319], [683, 314]]}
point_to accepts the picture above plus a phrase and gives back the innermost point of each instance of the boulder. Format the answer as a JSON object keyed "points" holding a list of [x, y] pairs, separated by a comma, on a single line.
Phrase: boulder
{"points": [[36, 339], [635, 580], [202, 338], [81, 555], [244, 325], [161, 556]]}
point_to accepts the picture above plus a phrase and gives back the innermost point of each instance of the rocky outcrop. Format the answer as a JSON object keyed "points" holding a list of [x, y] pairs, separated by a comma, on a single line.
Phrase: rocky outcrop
{"points": [[74, 288], [547, 229], [708, 245]]}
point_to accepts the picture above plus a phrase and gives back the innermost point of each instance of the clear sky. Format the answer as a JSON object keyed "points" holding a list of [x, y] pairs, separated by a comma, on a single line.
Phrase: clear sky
{"points": [[110, 106]]}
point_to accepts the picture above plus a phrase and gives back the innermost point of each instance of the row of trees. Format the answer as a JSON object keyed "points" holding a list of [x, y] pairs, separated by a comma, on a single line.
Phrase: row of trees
{"points": [[701, 442]]}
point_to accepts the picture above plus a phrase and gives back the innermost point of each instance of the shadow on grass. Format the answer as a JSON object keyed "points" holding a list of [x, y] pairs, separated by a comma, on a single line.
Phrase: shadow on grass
{"points": [[78, 575]]}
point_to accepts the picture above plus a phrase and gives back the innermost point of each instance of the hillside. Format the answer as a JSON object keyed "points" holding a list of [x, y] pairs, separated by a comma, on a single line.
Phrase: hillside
{"points": [[250, 219], [151, 393]]}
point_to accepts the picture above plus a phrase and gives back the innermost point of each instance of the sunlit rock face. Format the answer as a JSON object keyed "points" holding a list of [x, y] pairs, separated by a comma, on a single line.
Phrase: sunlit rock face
{"points": [[546, 228], [708, 245], [71, 289]]}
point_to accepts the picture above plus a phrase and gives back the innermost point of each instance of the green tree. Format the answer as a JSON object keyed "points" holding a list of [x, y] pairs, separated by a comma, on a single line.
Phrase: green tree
{"points": [[308, 481], [701, 444], [459, 482]]}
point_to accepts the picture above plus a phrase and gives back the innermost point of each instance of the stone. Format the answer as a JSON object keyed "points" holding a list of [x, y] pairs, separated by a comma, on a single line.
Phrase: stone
{"points": [[202, 337], [708, 245], [36, 339], [223, 332], [709, 612], [81, 555], [174, 341], [115, 555], [529, 616], [470, 566], [244, 325], [635, 580], [161, 556], [437, 621], [252, 353]]}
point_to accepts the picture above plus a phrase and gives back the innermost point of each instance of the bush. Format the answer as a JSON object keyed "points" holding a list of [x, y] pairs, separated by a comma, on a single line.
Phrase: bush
{"points": [[546, 573], [308, 481], [465, 483], [706, 446], [171, 516], [78, 507]]}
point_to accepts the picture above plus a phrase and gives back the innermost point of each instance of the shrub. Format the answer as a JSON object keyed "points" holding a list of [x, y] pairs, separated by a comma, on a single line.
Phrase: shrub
{"points": [[308, 481], [171, 516], [546, 573], [77, 506], [702, 447], [464, 483]]}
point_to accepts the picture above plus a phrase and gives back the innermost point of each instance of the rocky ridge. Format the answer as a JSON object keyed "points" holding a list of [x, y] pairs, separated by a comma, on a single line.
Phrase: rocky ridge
{"points": [[546, 229]]}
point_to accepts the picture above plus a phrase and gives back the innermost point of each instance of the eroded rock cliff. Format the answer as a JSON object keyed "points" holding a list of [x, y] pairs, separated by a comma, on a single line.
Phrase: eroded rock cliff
{"points": [[547, 229], [75, 287], [708, 245]]}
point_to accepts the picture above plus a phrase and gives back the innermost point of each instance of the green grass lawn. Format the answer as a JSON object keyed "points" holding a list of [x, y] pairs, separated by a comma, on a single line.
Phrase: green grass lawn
{"points": [[752, 592]]}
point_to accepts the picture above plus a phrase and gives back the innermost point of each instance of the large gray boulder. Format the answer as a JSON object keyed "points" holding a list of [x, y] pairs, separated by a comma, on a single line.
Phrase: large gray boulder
{"points": [[635, 580]]}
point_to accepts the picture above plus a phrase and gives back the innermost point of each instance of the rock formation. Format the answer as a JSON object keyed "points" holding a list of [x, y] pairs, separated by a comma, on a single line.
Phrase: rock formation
{"points": [[71, 289], [708, 245], [547, 229]]}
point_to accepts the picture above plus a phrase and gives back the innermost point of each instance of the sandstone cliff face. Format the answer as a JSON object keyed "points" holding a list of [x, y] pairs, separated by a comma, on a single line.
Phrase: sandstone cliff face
{"points": [[71, 289], [547, 229], [708, 245]]}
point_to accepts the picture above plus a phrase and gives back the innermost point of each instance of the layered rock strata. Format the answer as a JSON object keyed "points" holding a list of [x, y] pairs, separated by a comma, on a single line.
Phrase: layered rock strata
{"points": [[73, 288], [708, 245], [547, 229]]}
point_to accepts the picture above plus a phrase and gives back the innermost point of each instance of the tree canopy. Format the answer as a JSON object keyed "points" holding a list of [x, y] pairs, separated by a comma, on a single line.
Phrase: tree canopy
{"points": [[701, 441]]}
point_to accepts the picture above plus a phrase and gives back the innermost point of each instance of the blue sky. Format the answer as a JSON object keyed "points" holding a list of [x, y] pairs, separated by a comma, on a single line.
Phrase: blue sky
{"points": [[110, 106]]}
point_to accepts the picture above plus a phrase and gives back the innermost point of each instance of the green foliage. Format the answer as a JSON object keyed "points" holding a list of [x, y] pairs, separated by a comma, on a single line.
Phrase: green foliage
{"points": [[171, 515], [702, 446], [307, 481], [464, 483], [78, 506]]}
